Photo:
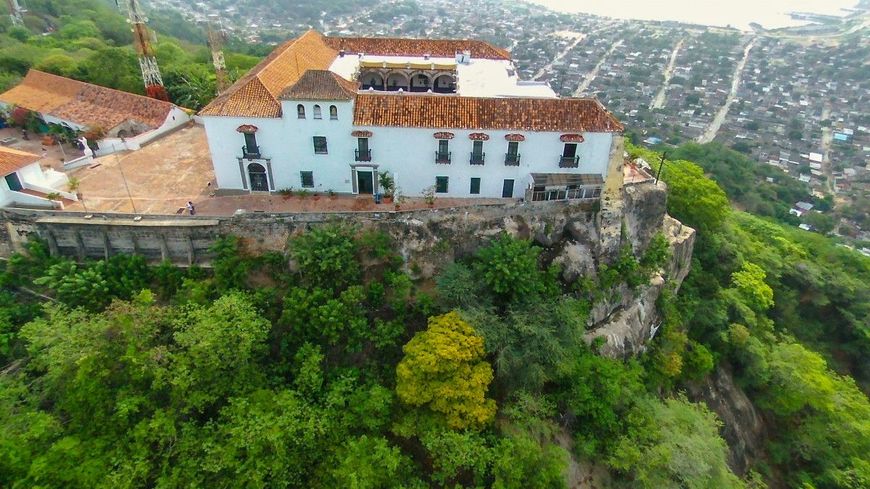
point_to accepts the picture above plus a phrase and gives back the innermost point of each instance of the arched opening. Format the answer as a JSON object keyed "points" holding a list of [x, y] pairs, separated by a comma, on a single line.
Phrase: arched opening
{"points": [[317, 113], [300, 111], [396, 81], [420, 82], [258, 179], [333, 112], [444, 84], [372, 79]]}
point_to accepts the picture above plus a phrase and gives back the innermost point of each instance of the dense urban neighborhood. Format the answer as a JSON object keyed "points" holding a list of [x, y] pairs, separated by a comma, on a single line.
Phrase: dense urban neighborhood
{"points": [[795, 99]]}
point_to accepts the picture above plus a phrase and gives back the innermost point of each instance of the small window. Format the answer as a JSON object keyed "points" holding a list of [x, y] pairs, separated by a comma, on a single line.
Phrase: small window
{"points": [[317, 114], [513, 147], [300, 111], [320, 145], [441, 185], [333, 112], [443, 146], [475, 186], [307, 179], [477, 147]]}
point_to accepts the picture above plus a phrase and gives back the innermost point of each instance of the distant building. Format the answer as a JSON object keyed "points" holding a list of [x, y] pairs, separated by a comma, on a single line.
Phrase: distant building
{"points": [[24, 183], [332, 113], [120, 120]]}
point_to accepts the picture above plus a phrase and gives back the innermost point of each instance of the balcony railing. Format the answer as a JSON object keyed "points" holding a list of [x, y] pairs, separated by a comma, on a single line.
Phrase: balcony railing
{"points": [[362, 154], [512, 159], [442, 157], [250, 152], [586, 194], [477, 158], [569, 161]]}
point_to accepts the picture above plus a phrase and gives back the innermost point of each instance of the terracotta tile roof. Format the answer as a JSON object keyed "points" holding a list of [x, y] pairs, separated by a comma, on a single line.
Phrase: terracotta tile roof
{"points": [[83, 103], [453, 112], [256, 94], [320, 85], [12, 159], [441, 48]]}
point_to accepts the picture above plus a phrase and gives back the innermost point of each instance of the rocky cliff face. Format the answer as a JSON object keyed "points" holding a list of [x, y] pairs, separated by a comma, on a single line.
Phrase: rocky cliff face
{"points": [[578, 238], [743, 427]]}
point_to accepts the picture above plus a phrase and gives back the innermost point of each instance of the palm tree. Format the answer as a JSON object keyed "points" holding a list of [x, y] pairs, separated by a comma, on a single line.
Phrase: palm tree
{"points": [[73, 185]]}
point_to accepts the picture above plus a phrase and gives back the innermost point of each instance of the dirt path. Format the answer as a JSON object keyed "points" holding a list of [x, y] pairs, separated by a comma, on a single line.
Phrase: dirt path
{"points": [[577, 40], [713, 128], [590, 77], [661, 97]]}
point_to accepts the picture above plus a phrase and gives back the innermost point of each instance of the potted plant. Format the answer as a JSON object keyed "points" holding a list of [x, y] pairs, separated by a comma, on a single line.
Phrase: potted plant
{"points": [[429, 196], [388, 185]]}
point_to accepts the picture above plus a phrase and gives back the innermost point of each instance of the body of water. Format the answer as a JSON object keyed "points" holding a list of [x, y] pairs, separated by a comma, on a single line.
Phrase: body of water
{"points": [[736, 13]]}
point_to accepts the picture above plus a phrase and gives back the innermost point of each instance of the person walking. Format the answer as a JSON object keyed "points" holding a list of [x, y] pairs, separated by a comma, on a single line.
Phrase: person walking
{"points": [[190, 208]]}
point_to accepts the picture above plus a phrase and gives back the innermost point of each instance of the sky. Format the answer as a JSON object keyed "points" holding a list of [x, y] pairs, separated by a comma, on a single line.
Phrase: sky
{"points": [[737, 13]]}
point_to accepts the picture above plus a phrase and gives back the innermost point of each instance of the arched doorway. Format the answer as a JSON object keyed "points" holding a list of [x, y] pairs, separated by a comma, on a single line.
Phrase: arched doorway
{"points": [[395, 81], [420, 82], [258, 179], [444, 84], [372, 80]]}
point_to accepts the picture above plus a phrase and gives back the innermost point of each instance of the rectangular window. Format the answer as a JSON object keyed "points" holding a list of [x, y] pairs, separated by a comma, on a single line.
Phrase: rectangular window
{"points": [[513, 148], [477, 147], [443, 146], [320, 145], [475, 186], [307, 179], [441, 185]]}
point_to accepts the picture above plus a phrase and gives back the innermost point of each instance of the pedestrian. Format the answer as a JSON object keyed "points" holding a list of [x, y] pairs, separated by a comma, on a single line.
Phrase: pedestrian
{"points": [[190, 208]]}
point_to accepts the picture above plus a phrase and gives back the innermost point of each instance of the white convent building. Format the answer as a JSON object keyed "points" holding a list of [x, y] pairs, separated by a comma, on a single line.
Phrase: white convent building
{"points": [[332, 113]]}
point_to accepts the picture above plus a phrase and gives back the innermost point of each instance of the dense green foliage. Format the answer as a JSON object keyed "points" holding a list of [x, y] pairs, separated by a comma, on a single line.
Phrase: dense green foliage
{"points": [[274, 371], [330, 367], [760, 295], [90, 40]]}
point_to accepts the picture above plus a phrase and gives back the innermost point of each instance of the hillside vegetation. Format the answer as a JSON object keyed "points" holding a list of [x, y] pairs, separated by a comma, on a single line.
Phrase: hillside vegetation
{"points": [[89, 40], [343, 372]]}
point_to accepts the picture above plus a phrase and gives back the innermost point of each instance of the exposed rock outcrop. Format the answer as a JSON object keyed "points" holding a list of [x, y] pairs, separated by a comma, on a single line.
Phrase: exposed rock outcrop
{"points": [[743, 427]]}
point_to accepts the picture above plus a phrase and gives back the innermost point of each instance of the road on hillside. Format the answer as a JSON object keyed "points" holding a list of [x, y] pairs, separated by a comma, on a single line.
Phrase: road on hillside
{"points": [[590, 77], [661, 97], [713, 128]]}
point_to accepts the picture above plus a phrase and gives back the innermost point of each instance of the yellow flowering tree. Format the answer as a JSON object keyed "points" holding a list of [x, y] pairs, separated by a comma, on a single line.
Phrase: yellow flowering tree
{"points": [[444, 372]]}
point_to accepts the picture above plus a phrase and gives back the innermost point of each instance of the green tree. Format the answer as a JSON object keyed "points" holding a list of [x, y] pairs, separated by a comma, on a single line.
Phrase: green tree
{"points": [[326, 256], [509, 267], [681, 447], [444, 372], [523, 463], [371, 463]]}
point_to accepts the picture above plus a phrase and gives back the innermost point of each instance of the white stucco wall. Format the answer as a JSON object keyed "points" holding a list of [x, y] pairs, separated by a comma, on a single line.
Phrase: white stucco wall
{"points": [[288, 142], [408, 153]]}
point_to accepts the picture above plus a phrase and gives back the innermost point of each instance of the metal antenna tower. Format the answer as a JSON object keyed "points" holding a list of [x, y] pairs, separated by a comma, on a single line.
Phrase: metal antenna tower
{"points": [[216, 45], [147, 60]]}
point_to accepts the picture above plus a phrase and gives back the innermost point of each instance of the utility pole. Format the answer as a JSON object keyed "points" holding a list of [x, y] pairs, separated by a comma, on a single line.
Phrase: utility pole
{"points": [[147, 60], [16, 12], [661, 167], [216, 45]]}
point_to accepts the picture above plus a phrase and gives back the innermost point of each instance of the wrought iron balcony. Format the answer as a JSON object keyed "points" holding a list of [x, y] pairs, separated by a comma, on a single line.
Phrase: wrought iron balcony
{"points": [[512, 159], [569, 161], [477, 158], [251, 152], [442, 157], [362, 154]]}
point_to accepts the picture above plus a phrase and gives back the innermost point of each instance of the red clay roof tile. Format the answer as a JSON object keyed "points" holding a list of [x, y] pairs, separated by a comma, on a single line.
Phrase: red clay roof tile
{"points": [[453, 112], [84, 103]]}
